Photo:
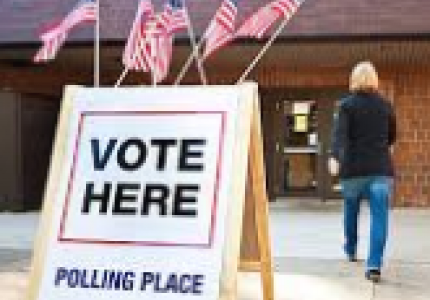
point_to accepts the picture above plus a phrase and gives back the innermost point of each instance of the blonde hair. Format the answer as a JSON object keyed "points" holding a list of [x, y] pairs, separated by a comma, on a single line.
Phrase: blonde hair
{"points": [[364, 78]]}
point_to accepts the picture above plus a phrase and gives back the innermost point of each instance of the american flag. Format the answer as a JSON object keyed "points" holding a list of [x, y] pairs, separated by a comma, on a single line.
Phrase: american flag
{"points": [[258, 24], [221, 29], [154, 40], [173, 19], [54, 38], [134, 57], [156, 47]]}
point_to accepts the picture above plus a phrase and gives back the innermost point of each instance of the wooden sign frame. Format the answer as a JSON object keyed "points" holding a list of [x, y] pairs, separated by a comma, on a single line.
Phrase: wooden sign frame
{"points": [[251, 237]]}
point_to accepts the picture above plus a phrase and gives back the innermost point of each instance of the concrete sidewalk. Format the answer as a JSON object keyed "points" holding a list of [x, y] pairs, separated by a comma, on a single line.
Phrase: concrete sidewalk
{"points": [[306, 243]]}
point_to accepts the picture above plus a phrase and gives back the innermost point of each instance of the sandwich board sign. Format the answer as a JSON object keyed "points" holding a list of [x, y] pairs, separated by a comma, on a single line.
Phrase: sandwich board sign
{"points": [[146, 195]]}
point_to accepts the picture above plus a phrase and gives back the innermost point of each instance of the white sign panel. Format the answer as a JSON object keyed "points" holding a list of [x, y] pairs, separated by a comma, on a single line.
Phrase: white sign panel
{"points": [[142, 197]]}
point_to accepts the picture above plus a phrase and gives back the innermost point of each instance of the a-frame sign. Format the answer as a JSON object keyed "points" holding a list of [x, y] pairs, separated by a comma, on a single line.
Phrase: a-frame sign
{"points": [[154, 193]]}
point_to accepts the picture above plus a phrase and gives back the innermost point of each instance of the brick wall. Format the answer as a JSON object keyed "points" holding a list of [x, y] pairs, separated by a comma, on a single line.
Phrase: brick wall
{"points": [[412, 153]]}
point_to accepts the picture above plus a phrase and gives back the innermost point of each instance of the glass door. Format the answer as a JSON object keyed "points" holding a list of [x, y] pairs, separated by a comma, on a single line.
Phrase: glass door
{"points": [[300, 148], [305, 148]]}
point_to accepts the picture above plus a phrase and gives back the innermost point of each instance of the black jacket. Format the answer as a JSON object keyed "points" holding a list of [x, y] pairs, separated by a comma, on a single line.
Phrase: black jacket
{"points": [[364, 130]]}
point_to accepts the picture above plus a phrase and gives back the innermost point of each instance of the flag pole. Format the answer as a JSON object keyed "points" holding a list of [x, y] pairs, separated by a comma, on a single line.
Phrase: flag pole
{"points": [[97, 47], [187, 65], [195, 48], [121, 78], [154, 75], [263, 50], [152, 61], [154, 72]]}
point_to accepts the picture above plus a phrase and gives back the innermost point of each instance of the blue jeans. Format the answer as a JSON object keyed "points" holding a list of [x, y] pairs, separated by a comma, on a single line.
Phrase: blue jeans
{"points": [[377, 189]]}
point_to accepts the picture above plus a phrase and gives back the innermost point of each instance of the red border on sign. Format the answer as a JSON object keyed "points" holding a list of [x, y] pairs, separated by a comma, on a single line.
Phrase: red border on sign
{"points": [[211, 231]]}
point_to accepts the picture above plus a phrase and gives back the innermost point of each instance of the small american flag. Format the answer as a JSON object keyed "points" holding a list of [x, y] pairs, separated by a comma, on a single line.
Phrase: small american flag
{"points": [[133, 57], [258, 24], [54, 38], [173, 19], [159, 38], [151, 39], [155, 51], [221, 30]]}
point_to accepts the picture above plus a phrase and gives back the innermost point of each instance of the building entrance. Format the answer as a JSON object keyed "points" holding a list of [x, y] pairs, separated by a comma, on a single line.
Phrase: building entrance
{"points": [[302, 135], [306, 147]]}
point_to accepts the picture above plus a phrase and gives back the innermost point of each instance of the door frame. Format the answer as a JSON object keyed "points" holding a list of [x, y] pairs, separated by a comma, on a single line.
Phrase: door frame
{"points": [[325, 96]]}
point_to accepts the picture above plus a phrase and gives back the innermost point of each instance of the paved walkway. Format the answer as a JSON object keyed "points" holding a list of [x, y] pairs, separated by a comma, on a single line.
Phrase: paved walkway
{"points": [[306, 239]]}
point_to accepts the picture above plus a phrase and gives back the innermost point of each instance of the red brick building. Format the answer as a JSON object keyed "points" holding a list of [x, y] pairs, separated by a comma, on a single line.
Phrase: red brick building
{"points": [[301, 78]]}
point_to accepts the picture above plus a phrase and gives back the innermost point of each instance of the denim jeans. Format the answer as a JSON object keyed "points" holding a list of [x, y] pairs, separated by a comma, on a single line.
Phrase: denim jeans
{"points": [[377, 189]]}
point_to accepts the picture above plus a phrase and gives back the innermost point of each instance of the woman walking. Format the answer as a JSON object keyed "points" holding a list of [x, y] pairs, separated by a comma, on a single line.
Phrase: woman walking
{"points": [[365, 129]]}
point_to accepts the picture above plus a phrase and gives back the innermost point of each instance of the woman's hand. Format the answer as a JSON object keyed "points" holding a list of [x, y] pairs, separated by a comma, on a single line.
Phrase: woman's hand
{"points": [[333, 166]]}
